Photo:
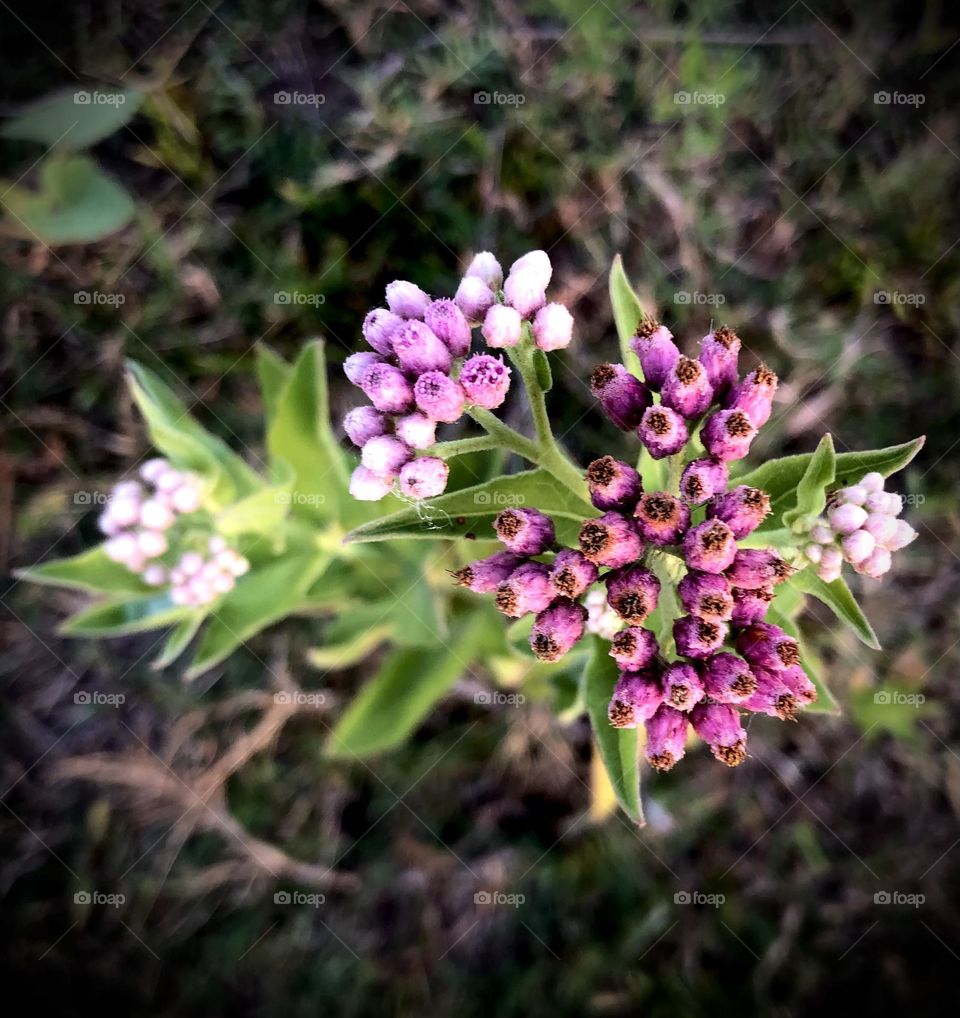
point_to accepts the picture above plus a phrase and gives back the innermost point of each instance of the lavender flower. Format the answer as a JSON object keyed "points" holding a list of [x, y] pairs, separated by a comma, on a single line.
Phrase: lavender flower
{"points": [[407, 299], [622, 396], [611, 540], [474, 298], [728, 679], [743, 509], [653, 344], [525, 531], [686, 388], [378, 329], [357, 363], [666, 737], [439, 397], [366, 486], [768, 646], [526, 590], [387, 389], [425, 477], [798, 684], [363, 423], [709, 547], [572, 573], [706, 595], [702, 479], [754, 395], [385, 455], [698, 638], [448, 322], [502, 326], [485, 575], [718, 724], [486, 267], [527, 281], [636, 698], [682, 687], [772, 696], [727, 434], [661, 519], [419, 350], [613, 484], [719, 352], [663, 431], [485, 380], [553, 327], [632, 593], [633, 648], [557, 629], [750, 606], [417, 431], [753, 568]]}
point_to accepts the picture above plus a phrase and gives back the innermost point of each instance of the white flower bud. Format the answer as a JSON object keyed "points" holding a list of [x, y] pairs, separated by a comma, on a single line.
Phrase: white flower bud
{"points": [[224, 583], [155, 515], [814, 552], [882, 526], [822, 534], [486, 267], [417, 431], [856, 495], [902, 536], [832, 556], [152, 469], [858, 545], [191, 563], [872, 481], [168, 479], [122, 548], [182, 596], [125, 511], [152, 543], [875, 564], [366, 486], [845, 519], [154, 576], [828, 573]]}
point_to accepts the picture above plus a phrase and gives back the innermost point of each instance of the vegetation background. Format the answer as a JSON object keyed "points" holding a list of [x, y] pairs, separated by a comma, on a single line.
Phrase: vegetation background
{"points": [[799, 199]]}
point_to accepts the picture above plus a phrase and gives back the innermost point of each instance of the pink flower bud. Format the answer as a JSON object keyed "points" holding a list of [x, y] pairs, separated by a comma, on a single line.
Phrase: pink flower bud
{"points": [[798, 683], [153, 468], [365, 422], [186, 498], [622, 396], [419, 350], [527, 590], [190, 563], [525, 531], [661, 519], [182, 596], [439, 397], [385, 455], [768, 646], [882, 527], [124, 512], [407, 299], [727, 434], [108, 523], [832, 556], [122, 549], [754, 395], [663, 431], [718, 724], [654, 346], [572, 573], [378, 329], [486, 267], [709, 547], [366, 486], [719, 352], [553, 327], [875, 564], [872, 481], [485, 575], [449, 323], [152, 543], [682, 687], [855, 495], [773, 697], [417, 431], [686, 388], [474, 298], [168, 480], [154, 576], [858, 545], [903, 535], [728, 679], [387, 388], [613, 484], [636, 698], [750, 606], [502, 326], [847, 518], [743, 509], [357, 363], [527, 281], [829, 571], [132, 490], [757, 567], [813, 553], [632, 593], [698, 638], [425, 477], [666, 737], [822, 534], [485, 380], [557, 629], [216, 544], [706, 595], [634, 648], [155, 515], [611, 540], [702, 479]]}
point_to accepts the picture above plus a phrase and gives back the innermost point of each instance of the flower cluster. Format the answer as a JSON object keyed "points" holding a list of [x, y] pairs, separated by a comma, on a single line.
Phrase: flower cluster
{"points": [[420, 372], [139, 521], [727, 657], [861, 527]]}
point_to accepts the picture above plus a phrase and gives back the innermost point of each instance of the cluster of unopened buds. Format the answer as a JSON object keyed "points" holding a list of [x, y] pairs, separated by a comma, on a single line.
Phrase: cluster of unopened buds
{"points": [[727, 658], [861, 527], [139, 521], [420, 371]]}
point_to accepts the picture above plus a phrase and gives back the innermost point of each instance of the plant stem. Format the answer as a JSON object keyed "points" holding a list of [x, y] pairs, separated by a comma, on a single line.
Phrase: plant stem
{"points": [[522, 356], [462, 446]]}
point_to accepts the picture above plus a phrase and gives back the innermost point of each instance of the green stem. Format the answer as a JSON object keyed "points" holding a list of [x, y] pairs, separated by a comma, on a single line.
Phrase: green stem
{"points": [[462, 446], [522, 356]]}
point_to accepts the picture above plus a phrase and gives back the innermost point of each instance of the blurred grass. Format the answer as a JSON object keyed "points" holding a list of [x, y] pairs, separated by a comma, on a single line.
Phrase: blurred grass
{"points": [[797, 200]]}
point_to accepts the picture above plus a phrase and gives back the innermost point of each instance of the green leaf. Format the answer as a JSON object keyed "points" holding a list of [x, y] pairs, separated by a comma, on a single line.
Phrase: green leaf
{"points": [[781, 477], [471, 510], [405, 689], [541, 365], [300, 435], [838, 597], [121, 618], [273, 373], [627, 314], [260, 513], [178, 640], [669, 571], [91, 570], [351, 651], [262, 597], [75, 203], [75, 119], [819, 475], [619, 747]]}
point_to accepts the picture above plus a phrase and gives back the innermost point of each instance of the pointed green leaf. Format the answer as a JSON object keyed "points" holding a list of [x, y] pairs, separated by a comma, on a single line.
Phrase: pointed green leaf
{"points": [[627, 314], [619, 747], [74, 119], [273, 373], [91, 570], [838, 597], [121, 618], [178, 640], [812, 488]]}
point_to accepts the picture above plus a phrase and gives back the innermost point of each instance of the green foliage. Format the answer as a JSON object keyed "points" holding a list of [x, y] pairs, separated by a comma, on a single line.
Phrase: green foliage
{"points": [[75, 119], [812, 487]]}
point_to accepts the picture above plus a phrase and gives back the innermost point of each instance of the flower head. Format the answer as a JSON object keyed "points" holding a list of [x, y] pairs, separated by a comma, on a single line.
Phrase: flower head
{"points": [[525, 531]]}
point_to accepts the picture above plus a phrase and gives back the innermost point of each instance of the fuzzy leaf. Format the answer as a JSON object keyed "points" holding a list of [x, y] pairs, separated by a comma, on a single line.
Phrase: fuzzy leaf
{"points": [[819, 475], [627, 314], [121, 618], [838, 597], [178, 639], [91, 570], [273, 373]]}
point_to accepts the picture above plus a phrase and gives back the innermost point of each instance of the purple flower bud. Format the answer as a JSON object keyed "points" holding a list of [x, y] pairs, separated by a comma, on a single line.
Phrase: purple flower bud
{"points": [[743, 509], [387, 389], [526, 590], [798, 683], [633, 648], [682, 687], [728, 678], [727, 434], [666, 737], [702, 479], [553, 327], [750, 606], [502, 326], [527, 282], [425, 477], [439, 397], [557, 629], [486, 267], [706, 595], [663, 431], [357, 363], [768, 646], [753, 568], [385, 455], [366, 486], [417, 431], [858, 546], [407, 299], [611, 540], [718, 724], [447, 322], [658, 353], [474, 298], [525, 531], [485, 380], [632, 593], [636, 698], [378, 329], [363, 423], [613, 484], [661, 519], [622, 396], [847, 518], [486, 574], [709, 547], [419, 350], [698, 638], [718, 354], [754, 395], [686, 388], [572, 573], [772, 696]]}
